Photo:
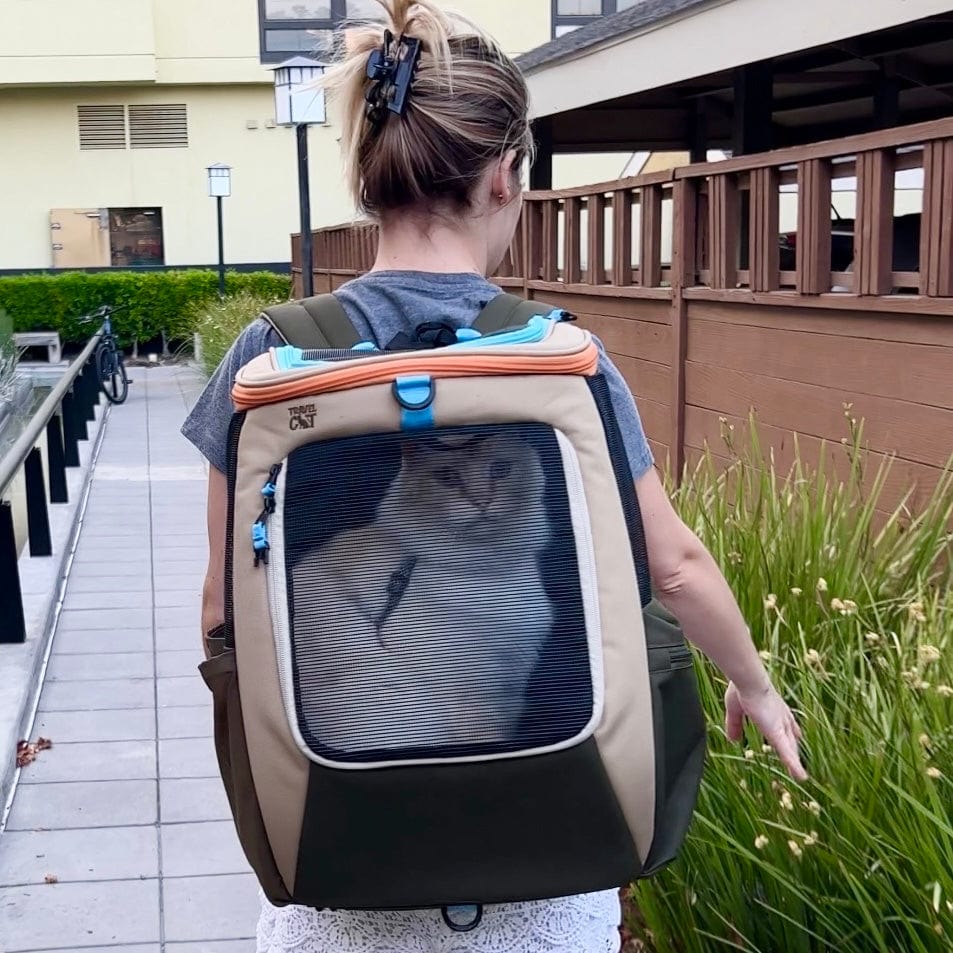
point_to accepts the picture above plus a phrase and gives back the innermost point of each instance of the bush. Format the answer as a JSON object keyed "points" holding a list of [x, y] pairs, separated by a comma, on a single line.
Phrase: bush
{"points": [[853, 612], [219, 322], [153, 302]]}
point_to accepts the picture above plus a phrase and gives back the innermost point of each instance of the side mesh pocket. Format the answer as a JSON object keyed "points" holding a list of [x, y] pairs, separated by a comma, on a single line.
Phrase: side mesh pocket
{"points": [[221, 676], [679, 723]]}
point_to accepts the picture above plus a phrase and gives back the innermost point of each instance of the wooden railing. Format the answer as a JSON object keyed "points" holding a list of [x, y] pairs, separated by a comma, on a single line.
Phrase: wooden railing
{"points": [[681, 275]]}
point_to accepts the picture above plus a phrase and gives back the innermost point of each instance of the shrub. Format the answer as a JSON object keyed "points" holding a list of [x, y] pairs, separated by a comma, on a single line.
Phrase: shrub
{"points": [[152, 302], [853, 612], [219, 322]]}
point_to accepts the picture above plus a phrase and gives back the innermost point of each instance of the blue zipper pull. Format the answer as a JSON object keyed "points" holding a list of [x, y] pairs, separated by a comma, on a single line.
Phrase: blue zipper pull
{"points": [[259, 530]]}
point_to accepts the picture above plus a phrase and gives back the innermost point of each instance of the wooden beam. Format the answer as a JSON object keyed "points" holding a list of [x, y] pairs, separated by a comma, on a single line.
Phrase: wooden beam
{"points": [[572, 272], [814, 227], [650, 246], [622, 237], [723, 231], [541, 173], [936, 226], [873, 230], [596, 215], [754, 93], [764, 230]]}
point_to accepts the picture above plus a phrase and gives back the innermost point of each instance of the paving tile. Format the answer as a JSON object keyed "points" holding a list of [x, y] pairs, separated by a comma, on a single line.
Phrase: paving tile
{"points": [[194, 850], [188, 721], [176, 617], [70, 916], [82, 804], [109, 853], [172, 581], [187, 758], [222, 946], [107, 584], [118, 570], [180, 599], [106, 601], [211, 907], [124, 724], [181, 637], [76, 668], [94, 761], [183, 690], [118, 532], [115, 617], [181, 664], [184, 800], [104, 694], [67, 642]]}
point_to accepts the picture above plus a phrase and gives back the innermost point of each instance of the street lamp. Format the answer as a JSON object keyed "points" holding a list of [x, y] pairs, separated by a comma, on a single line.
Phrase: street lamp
{"points": [[220, 187], [299, 103]]}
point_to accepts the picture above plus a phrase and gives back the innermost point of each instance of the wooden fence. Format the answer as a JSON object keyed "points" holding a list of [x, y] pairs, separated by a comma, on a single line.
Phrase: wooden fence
{"points": [[680, 274]]}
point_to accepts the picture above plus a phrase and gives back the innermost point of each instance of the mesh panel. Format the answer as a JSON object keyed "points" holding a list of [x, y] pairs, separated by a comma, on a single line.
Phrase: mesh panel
{"points": [[434, 594]]}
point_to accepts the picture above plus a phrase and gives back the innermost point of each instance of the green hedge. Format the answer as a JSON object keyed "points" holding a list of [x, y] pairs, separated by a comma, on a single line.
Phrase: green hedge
{"points": [[156, 302]]}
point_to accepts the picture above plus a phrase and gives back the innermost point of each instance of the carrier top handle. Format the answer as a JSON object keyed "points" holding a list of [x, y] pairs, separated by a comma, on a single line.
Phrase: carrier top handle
{"points": [[463, 918]]}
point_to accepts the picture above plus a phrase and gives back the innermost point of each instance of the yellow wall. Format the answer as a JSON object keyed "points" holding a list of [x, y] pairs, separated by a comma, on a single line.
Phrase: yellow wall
{"points": [[45, 169]]}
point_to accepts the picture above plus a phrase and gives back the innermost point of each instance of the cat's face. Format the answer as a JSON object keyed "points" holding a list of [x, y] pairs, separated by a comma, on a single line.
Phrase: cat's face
{"points": [[474, 483]]}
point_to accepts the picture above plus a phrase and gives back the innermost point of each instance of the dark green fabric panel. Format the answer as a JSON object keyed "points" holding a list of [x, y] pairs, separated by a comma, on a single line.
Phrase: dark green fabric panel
{"points": [[520, 829], [317, 323]]}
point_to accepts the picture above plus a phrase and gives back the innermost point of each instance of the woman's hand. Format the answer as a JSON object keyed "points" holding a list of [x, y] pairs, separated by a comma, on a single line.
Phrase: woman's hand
{"points": [[771, 715]]}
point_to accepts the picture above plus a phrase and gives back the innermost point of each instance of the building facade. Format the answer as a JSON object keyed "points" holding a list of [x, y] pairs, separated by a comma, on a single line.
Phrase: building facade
{"points": [[111, 110]]}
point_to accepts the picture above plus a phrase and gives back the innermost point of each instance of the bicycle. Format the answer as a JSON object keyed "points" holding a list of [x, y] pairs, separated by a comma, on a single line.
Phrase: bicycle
{"points": [[113, 380]]}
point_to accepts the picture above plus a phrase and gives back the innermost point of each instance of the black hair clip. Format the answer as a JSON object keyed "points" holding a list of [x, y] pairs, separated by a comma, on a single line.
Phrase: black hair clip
{"points": [[391, 75]]}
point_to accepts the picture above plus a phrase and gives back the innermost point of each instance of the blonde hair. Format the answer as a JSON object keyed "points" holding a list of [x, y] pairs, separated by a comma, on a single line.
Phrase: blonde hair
{"points": [[468, 106]]}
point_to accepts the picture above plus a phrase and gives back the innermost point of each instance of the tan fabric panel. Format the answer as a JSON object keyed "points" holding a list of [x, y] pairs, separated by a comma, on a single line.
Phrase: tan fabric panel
{"points": [[280, 770], [625, 738]]}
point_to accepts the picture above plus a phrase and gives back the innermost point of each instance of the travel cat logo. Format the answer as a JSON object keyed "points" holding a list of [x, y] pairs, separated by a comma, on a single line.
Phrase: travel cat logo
{"points": [[302, 417]]}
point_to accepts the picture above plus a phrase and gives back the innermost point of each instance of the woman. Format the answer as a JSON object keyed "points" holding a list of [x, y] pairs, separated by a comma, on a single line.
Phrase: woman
{"points": [[442, 177]]}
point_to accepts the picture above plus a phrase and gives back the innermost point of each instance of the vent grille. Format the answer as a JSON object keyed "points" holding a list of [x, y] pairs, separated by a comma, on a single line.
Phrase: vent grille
{"points": [[158, 127], [102, 127]]}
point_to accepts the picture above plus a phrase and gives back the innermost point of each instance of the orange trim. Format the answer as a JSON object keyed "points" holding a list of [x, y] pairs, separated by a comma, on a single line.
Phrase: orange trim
{"points": [[583, 362]]}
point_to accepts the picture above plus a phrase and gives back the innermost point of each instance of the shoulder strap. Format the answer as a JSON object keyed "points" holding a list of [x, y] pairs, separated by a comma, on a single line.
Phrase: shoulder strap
{"points": [[508, 311], [318, 323]]}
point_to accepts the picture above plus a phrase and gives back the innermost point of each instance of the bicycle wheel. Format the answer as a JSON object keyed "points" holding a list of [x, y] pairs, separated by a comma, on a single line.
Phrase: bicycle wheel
{"points": [[112, 374]]}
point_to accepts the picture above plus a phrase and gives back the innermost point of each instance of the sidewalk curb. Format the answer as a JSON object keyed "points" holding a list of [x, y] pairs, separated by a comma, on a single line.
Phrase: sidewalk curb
{"points": [[35, 651]]}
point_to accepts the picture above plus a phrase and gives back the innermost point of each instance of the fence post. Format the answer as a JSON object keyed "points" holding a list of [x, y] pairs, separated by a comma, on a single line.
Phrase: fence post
{"points": [[38, 518], [596, 264], [873, 232], [12, 621], [936, 227], [764, 227], [813, 227], [622, 237], [550, 237], [685, 210], [56, 460], [650, 249], [572, 246], [90, 388], [723, 230], [70, 435]]}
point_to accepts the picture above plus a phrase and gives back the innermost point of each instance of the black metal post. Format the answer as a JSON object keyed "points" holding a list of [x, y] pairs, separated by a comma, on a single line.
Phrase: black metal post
{"points": [[90, 384], [12, 622], [221, 248], [56, 460], [304, 199], [38, 519], [70, 448]]}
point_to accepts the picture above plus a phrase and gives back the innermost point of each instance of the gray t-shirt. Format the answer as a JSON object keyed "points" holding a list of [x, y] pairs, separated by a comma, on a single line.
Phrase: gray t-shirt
{"points": [[381, 305]]}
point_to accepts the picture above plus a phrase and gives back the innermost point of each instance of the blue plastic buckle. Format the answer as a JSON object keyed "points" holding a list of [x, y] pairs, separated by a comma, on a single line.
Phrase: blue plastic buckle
{"points": [[415, 394], [259, 541]]}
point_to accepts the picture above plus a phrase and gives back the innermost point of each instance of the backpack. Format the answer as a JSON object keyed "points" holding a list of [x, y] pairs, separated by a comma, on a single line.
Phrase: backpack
{"points": [[442, 678]]}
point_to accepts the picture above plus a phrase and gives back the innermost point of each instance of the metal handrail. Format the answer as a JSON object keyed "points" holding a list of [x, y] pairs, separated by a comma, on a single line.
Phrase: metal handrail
{"points": [[15, 457]]}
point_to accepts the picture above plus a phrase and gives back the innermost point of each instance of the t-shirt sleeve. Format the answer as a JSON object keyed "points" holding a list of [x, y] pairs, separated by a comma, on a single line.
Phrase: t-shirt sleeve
{"points": [[206, 426], [627, 415]]}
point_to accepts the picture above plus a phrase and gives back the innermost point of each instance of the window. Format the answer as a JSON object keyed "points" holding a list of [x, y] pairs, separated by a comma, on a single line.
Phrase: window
{"points": [[135, 237], [568, 15], [104, 237], [300, 27]]}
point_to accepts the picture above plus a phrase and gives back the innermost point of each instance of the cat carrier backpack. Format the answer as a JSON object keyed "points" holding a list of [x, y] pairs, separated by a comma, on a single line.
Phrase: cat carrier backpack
{"points": [[442, 681]]}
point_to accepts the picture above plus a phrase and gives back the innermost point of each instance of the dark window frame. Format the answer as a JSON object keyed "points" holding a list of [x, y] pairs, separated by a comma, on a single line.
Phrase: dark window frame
{"points": [[562, 19], [338, 16]]}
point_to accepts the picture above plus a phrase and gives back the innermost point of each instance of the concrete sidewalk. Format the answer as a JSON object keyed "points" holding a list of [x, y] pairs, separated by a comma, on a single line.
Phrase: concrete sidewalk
{"points": [[126, 810]]}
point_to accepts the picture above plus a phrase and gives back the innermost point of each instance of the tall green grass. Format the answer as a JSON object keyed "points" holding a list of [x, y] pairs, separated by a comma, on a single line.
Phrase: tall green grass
{"points": [[220, 321], [853, 612]]}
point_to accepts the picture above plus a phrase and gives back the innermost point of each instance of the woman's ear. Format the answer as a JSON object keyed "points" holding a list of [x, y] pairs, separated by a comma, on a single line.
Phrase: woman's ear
{"points": [[505, 180]]}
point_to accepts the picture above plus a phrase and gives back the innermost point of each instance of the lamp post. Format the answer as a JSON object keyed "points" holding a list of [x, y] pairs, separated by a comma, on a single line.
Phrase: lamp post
{"points": [[220, 187], [299, 103]]}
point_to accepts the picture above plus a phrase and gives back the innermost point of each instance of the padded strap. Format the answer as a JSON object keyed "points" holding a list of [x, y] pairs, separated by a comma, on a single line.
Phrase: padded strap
{"points": [[313, 324], [509, 311]]}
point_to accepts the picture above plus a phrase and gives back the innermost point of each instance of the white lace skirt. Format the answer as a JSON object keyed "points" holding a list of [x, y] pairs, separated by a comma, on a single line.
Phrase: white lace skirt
{"points": [[585, 924]]}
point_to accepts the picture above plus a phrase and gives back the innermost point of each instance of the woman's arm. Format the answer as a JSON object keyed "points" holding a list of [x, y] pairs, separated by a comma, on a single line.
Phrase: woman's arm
{"points": [[213, 592], [690, 584]]}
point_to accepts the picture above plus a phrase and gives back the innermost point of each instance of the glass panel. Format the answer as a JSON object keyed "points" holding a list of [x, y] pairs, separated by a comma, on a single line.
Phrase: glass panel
{"points": [[578, 8], [296, 41], [364, 10], [135, 237], [625, 4], [435, 594], [297, 9], [563, 30]]}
